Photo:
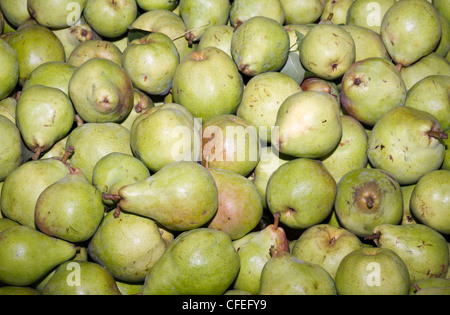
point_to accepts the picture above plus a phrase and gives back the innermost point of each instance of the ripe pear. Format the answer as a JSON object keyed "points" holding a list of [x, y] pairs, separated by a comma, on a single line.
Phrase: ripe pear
{"points": [[115, 170], [407, 143], [197, 15], [15, 11], [423, 249], [23, 186], [431, 94], [11, 147], [325, 245], [210, 67], [444, 43], [127, 246], [44, 115], [302, 11], [285, 274], [92, 141], [410, 30], [303, 191], [368, 43], [240, 206], [308, 124], [321, 85], [180, 196], [81, 278], [242, 10], [9, 75], [110, 19], [56, 14], [201, 261], [90, 49], [218, 36], [372, 271], [430, 200], [336, 11], [262, 98], [260, 44], [368, 13], [366, 198], [70, 209], [26, 255], [431, 64]]}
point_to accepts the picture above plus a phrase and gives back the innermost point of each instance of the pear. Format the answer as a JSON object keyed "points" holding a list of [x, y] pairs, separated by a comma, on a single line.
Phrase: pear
{"points": [[23, 186], [218, 36], [368, 43], [70, 209], [410, 30], [406, 142], [236, 292], [302, 11], [423, 249], [197, 15], [11, 148], [431, 94], [366, 198], [430, 283], [127, 246], [262, 98], [81, 278], [308, 124], [303, 191], [210, 67], [434, 291], [73, 35], [446, 164], [430, 200], [240, 206], [372, 271], [260, 44], [92, 141], [242, 10], [408, 217], [172, 124], [254, 251], [9, 75], [180, 196], [325, 245], [442, 7], [26, 255], [7, 223], [148, 5], [444, 43], [56, 14], [336, 11], [44, 115], [15, 11], [17, 290], [321, 85], [201, 261], [142, 102], [338, 45], [115, 170], [120, 14], [8, 108], [90, 49], [58, 150], [128, 288], [368, 13], [285, 274]]}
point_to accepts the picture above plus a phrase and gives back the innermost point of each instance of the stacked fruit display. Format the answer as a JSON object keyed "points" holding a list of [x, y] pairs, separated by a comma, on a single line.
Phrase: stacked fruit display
{"points": [[216, 147]]}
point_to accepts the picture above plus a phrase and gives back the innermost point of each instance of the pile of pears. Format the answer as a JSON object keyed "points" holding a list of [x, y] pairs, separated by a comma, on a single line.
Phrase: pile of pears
{"points": [[216, 147]]}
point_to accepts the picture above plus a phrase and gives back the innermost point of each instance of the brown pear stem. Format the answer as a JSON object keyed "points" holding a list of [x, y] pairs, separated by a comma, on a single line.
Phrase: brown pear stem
{"points": [[79, 120], [67, 154], [438, 134], [111, 197], [117, 212], [375, 236], [399, 67], [276, 217], [37, 154], [416, 287]]}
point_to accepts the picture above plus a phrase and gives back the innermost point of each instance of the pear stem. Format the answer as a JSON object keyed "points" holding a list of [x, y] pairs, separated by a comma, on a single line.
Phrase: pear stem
{"points": [[111, 197], [437, 134], [67, 154], [416, 287], [375, 236], [276, 216], [37, 154], [79, 120], [117, 212]]}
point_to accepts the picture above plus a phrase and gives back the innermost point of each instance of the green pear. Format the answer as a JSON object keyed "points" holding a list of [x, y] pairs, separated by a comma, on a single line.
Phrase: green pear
{"points": [[172, 124], [444, 43], [142, 102], [442, 7], [115, 170], [90, 49], [23, 186], [410, 30], [285, 274], [336, 11], [302, 11], [180, 196], [7, 223], [254, 251], [148, 5], [408, 217], [73, 35], [218, 36], [240, 206], [406, 142], [9, 75], [372, 271], [368, 13], [17, 290], [308, 124], [11, 147], [446, 164], [242, 10], [430, 283], [303, 191], [70, 209], [56, 14], [199, 262], [338, 45], [58, 150], [260, 44], [129, 288], [26, 255], [236, 292], [366, 198], [81, 278], [15, 11], [431, 94], [431, 64], [52, 74], [44, 115], [8, 108], [423, 249], [110, 19], [127, 246], [210, 67], [368, 43], [430, 200], [262, 98], [197, 15], [325, 245], [92, 141], [434, 291], [351, 153], [321, 85]]}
